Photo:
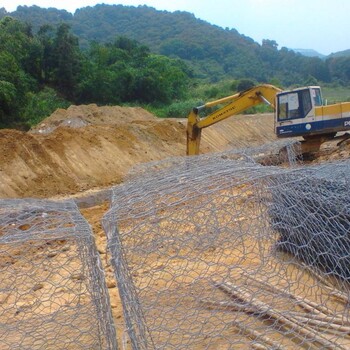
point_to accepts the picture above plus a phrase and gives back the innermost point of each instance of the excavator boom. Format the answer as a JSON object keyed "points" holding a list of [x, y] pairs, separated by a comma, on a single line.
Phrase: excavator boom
{"points": [[235, 104]]}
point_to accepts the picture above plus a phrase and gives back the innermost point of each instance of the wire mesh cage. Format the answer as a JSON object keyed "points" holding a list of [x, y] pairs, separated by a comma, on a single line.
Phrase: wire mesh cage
{"points": [[223, 252], [52, 289]]}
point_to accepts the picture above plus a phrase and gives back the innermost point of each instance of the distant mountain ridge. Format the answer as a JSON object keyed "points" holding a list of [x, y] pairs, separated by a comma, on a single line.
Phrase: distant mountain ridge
{"points": [[212, 52], [314, 53], [340, 53], [310, 53]]}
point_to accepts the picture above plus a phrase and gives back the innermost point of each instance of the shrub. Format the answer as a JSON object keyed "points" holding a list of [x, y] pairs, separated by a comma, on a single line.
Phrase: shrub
{"points": [[42, 104]]}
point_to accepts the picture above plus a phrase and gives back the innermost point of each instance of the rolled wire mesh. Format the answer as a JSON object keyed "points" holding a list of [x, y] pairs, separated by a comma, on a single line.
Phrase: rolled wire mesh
{"points": [[52, 288], [221, 252]]}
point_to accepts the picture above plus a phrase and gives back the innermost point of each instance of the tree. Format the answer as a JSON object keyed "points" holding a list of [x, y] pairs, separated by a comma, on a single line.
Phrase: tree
{"points": [[161, 80], [66, 61], [42, 104], [7, 101], [45, 36], [14, 85], [245, 84], [339, 68], [271, 44], [124, 71], [3, 12], [316, 68], [106, 75]]}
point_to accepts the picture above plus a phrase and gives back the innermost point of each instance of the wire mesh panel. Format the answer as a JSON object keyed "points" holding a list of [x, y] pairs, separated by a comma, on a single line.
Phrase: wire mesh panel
{"points": [[52, 288], [221, 252]]}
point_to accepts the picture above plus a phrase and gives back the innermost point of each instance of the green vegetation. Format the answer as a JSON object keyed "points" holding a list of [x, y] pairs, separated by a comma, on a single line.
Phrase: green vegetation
{"points": [[204, 92], [336, 93], [42, 72], [212, 53], [165, 62]]}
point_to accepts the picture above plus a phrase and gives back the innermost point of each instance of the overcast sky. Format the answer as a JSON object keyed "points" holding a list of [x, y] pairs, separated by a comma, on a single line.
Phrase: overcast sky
{"points": [[322, 25]]}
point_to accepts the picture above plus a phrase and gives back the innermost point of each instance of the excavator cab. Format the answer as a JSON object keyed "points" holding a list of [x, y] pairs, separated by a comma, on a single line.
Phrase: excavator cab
{"points": [[300, 112], [295, 112]]}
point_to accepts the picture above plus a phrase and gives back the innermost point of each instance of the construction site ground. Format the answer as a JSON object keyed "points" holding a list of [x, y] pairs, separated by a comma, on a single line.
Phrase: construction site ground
{"points": [[84, 149]]}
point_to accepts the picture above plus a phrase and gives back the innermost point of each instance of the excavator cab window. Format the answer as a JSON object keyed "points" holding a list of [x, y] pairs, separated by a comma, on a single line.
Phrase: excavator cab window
{"points": [[294, 104], [316, 96]]}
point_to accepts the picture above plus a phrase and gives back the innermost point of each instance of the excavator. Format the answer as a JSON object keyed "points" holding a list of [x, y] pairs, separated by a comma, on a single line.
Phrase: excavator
{"points": [[298, 113]]}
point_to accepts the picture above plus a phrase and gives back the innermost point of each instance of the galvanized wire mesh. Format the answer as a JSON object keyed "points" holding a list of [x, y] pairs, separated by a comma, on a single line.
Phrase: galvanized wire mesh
{"points": [[222, 252], [52, 288]]}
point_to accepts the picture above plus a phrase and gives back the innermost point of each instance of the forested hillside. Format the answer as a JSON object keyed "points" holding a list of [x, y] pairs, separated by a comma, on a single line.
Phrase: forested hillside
{"points": [[166, 62], [41, 72], [344, 53], [212, 52]]}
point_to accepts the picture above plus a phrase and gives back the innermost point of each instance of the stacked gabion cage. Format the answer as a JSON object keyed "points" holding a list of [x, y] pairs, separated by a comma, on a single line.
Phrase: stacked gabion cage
{"points": [[52, 288], [222, 252]]}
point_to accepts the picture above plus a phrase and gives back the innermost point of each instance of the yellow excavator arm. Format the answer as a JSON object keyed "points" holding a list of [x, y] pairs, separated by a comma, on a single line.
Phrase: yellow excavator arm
{"points": [[235, 104]]}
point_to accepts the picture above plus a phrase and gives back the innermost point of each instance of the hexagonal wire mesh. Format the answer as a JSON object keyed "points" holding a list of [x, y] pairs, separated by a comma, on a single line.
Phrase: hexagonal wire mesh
{"points": [[52, 289], [221, 252]]}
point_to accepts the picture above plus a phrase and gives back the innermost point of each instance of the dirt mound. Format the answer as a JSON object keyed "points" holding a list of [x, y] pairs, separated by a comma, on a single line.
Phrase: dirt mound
{"points": [[86, 147], [59, 157], [331, 151], [83, 115]]}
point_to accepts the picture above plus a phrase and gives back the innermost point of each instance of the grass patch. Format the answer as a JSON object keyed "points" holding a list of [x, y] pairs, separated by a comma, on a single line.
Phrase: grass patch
{"points": [[335, 94]]}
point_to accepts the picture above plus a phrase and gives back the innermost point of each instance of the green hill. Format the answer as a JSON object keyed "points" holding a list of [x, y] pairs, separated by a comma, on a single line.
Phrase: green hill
{"points": [[344, 53], [214, 53], [166, 61]]}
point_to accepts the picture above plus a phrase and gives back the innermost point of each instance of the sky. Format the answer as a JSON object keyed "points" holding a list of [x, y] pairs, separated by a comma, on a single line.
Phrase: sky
{"points": [[322, 25]]}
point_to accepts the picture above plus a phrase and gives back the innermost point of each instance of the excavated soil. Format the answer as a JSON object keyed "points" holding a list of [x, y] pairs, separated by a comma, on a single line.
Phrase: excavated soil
{"points": [[81, 148], [87, 147]]}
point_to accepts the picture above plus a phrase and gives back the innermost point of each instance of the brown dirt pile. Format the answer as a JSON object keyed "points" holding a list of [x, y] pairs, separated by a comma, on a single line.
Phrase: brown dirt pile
{"points": [[83, 147], [87, 147]]}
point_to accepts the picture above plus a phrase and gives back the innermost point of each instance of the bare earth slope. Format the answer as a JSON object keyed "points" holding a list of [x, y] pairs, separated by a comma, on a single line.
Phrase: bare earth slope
{"points": [[87, 147], [68, 153]]}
